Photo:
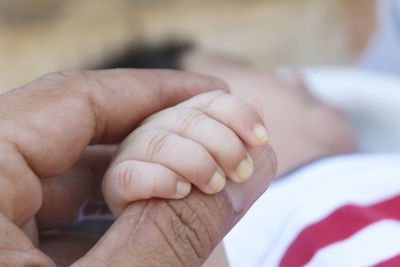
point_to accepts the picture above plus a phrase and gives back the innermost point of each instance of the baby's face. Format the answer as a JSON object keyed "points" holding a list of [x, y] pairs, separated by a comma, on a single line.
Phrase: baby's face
{"points": [[302, 127]]}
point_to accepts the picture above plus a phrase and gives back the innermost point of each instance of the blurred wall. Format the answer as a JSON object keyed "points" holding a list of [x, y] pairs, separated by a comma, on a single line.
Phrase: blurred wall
{"points": [[40, 36]]}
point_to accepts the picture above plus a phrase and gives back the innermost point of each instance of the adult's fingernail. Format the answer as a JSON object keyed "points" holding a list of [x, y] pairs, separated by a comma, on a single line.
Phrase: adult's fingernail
{"points": [[261, 134], [182, 189], [243, 195], [244, 170], [217, 182]]}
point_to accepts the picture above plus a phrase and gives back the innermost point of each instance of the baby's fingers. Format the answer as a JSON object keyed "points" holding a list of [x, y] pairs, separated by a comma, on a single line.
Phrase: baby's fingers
{"points": [[201, 140], [130, 177], [133, 180], [232, 112], [219, 140]]}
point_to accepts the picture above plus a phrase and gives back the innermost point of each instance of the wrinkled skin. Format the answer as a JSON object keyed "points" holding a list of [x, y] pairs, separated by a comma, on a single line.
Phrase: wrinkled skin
{"points": [[55, 141]]}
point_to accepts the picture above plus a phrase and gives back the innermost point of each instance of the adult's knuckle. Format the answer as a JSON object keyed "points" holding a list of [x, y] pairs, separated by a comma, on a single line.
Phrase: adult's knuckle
{"points": [[58, 76], [61, 81], [67, 85], [74, 81]]}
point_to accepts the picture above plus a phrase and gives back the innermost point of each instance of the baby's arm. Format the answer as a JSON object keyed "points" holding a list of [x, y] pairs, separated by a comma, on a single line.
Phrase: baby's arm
{"points": [[201, 141]]}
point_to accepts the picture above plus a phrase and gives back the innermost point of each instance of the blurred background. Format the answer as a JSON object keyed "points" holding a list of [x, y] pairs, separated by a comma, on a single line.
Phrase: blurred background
{"points": [[41, 36]]}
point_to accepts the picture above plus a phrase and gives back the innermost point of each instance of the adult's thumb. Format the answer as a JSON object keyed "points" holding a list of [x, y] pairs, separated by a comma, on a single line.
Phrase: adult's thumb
{"points": [[184, 232]]}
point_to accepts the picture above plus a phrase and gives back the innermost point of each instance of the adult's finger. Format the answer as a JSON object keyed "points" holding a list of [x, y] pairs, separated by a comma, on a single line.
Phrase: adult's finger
{"points": [[16, 249], [45, 125], [180, 232]]}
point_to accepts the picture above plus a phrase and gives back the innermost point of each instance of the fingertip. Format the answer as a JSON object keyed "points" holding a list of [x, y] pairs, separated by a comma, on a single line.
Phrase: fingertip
{"points": [[220, 84], [211, 83], [244, 170], [254, 134], [183, 189], [261, 134], [217, 182]]}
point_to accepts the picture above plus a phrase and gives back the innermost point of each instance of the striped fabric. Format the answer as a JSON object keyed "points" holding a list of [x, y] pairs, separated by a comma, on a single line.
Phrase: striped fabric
{"points": [[340, 211]]}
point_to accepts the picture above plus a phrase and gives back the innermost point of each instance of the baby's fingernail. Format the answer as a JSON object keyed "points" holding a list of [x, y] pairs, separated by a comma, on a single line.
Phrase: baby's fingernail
{"points": [[244, 170], [261, 134], [217, 182], [182, 189]]}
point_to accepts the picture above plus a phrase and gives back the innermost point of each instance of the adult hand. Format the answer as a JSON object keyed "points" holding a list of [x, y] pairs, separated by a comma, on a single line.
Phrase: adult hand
{"points": [[50, 171]]}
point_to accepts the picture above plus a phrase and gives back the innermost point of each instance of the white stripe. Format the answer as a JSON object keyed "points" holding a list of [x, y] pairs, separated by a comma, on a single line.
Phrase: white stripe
{"points": [[306, 197], [373, 244]]}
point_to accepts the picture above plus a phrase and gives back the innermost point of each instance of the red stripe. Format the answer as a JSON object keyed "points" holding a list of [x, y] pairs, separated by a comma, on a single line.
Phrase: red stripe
{"points": [[393, 262], [339, 225]]}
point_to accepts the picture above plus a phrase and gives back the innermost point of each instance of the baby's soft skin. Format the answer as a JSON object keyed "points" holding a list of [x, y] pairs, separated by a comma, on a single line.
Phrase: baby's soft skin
{"points": [[201, 141], [302, 127]]}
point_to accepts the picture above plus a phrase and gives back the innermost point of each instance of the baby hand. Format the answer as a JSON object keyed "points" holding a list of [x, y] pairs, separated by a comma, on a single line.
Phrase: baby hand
{"points": [[201, 141]]}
